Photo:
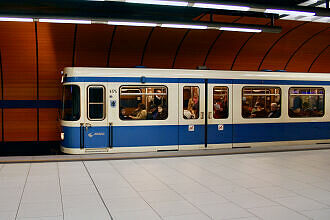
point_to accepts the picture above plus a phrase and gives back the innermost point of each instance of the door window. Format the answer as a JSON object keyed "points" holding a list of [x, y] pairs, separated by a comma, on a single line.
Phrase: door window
{"points": [[191, 102], [220, 102], [96, 103]]}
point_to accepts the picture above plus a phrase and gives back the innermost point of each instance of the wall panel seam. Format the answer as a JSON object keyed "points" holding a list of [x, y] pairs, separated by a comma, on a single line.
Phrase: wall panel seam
{"points": [[322, 51], [110, 45], [146, 45], [212, 45]]}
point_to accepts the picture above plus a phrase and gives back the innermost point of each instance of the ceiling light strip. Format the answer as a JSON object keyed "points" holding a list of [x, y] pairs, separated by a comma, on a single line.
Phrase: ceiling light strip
{"points": [[240, 29], [159, 2], [222, 7], [289, 12], [65, 21], [186, 26], [125, 23], [16, 19]]}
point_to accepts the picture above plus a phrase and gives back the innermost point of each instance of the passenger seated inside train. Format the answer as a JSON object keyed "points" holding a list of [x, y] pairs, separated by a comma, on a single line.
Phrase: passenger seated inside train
{"points": [[140, 113], [152, 113], [123, 114], [191, 102], [258, 111], [161, 113], [274, 111], [220, 109]]}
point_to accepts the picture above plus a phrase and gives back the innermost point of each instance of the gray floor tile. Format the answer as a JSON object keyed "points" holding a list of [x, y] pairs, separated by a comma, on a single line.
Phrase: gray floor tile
{"points": [[276, 212]]}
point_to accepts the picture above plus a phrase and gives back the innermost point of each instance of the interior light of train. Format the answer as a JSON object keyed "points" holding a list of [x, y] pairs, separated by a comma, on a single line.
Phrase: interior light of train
{"points": [[65, 21], [223, 7], [159, 2], [289, 12], [240, 29], [143, 24], [184, 26], [16, 19]]}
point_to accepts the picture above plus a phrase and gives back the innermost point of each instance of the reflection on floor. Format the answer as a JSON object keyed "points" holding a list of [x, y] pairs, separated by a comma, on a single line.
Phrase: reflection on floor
{"points": [[282, 185]]}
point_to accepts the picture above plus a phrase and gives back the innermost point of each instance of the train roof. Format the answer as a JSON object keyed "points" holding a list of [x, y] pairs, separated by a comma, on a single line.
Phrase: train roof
{"points": [[185, 73]]}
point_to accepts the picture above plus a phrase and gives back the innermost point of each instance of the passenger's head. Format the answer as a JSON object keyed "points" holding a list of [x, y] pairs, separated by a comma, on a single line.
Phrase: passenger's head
{"points": [[141, 106], [123, 111], [273, 106], [160, 108], [153, 107]]}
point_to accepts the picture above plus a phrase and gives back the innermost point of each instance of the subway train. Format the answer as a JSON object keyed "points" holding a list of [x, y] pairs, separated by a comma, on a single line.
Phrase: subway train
{"points": [[109, 110]]}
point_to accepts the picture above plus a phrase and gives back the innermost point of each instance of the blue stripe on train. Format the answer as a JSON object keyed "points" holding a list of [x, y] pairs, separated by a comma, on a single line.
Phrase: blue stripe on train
{"points": [[244, 133], [161, 135], [193, 80]]}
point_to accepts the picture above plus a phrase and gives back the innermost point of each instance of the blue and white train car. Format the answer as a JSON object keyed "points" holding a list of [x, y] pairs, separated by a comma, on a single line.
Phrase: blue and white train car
{"points": [[107, 110]]}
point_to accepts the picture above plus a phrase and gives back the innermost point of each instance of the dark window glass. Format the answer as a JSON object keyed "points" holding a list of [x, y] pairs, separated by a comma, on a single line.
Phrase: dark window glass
{"points": [[96, 94], [143, 103], [71, 103], [96, 103], [220, 102], [261, 102], [96, 111], [306, 102], [191, 102]]}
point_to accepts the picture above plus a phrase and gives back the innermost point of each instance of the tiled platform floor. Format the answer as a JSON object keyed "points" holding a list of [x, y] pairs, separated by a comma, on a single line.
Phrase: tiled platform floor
{"points": [[280, 186]]}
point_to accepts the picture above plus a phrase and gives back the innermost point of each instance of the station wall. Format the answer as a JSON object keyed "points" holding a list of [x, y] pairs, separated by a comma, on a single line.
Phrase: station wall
{"points": [[33, 54]]}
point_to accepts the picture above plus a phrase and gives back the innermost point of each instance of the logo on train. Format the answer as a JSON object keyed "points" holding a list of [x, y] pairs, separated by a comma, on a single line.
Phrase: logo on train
{"points": [[92, 134]]}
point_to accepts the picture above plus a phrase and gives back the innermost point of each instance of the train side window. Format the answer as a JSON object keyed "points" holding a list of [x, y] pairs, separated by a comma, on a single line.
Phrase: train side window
{"points": [[190, 102], [306, 102], [143, 103], [220, 102], [261, 102], [96, 103], [70, 103]]}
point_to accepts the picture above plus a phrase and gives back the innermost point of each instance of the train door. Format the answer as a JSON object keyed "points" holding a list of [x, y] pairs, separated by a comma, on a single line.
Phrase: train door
{"points": [[219, 116], [95, 128], [191, 115]]}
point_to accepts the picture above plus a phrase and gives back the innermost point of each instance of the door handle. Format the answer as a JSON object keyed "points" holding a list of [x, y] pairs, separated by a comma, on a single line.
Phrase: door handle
{"points": [[87, 125], [202, 115], [210, 115]]}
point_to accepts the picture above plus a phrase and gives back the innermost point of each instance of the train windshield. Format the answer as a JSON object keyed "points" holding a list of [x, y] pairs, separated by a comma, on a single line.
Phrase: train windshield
{"points": [[71, 103]]}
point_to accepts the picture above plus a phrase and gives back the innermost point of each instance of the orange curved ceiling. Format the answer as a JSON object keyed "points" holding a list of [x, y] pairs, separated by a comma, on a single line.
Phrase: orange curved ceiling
{"points": [[33, 54]]}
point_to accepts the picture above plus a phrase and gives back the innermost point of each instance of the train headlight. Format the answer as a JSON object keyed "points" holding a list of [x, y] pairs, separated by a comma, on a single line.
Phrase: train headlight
{"points": [[62, 136]]}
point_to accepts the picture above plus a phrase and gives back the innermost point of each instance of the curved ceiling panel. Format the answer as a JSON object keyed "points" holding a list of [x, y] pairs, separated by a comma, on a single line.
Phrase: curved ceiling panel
{"points": [[127, 46], [55, 50], [193, 50], [311, 48], [162, 46], [225, 49], [280, 54], [254, 51], [321, 62], [92, 45], [18, 53]]}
